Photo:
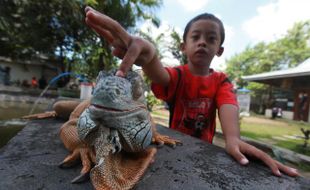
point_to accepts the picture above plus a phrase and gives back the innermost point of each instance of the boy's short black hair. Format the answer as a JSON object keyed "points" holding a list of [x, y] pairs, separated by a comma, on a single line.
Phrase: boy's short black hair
{"points": [[206, 16]]}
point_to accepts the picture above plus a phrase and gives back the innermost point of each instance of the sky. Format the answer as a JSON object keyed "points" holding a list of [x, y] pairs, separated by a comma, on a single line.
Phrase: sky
{"points": [[246, 22]]}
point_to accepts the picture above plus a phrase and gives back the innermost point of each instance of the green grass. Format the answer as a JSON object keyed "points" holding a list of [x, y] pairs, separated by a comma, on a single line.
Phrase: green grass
{"points": [[295, 145], [254, 135], [161, 113], [282, 133], [279, 132]]}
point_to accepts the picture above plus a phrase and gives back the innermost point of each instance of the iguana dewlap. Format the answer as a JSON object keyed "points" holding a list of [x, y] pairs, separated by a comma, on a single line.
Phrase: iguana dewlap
{"points": [[118, 125]]}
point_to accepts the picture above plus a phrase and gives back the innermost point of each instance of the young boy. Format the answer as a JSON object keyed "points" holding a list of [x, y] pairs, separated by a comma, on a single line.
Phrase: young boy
{"points": [[198, 90]]}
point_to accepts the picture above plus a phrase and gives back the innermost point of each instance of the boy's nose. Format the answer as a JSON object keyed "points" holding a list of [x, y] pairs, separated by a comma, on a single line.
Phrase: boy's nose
{"points": [[202, 43]]}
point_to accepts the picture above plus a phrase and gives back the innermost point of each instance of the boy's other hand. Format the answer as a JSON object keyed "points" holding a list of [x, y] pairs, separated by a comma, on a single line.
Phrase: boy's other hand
{"points": [[238, 149], [131, 49]]}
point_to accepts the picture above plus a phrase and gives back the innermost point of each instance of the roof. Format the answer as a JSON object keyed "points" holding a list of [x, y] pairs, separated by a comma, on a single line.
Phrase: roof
{"points": [[302, 69]]}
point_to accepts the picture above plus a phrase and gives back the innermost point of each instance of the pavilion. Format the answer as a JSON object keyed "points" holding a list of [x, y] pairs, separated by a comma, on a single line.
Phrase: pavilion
{"points": [[295, 79]]}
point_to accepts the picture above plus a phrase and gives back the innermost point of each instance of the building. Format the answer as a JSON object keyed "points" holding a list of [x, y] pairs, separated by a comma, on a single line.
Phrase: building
{"points": [[295, 80], [24, 70]]}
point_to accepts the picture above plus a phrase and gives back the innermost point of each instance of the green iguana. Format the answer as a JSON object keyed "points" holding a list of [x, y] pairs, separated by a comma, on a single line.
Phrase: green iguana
{"points": [[111, 132]]}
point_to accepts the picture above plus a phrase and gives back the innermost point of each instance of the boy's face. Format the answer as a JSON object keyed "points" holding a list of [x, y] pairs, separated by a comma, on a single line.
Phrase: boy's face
{"points": [[203, 42]]}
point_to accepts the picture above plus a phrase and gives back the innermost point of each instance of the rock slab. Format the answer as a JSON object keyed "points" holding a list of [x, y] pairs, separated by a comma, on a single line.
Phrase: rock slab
{"points": [[30, 161]]}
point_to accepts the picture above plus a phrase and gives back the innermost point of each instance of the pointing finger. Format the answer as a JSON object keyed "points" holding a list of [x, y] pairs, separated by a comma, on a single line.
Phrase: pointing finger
{"points": [[94, 18], [102, 32], [129, 58], [88, 8], [120, 53]]}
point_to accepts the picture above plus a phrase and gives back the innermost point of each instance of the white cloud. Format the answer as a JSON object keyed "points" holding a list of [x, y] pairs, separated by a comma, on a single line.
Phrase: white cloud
{"points": [[165, 28], [229, 34], [153, 31], [218, 63], [274, 19], [193, 5]]}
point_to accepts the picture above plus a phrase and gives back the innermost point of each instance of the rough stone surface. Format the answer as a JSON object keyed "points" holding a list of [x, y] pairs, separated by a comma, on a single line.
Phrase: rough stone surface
{"points": [[30, 161]]}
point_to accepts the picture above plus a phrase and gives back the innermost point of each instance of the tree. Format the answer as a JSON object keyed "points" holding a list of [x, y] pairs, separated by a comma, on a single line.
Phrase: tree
{"points": [[97, 52], [285, 52], [56, 29], [175, 47], [32, 28]]}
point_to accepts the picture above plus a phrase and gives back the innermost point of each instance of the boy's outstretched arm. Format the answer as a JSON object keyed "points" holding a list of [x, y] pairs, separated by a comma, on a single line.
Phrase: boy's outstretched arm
{"points": [[131, 49], [238, 149]]}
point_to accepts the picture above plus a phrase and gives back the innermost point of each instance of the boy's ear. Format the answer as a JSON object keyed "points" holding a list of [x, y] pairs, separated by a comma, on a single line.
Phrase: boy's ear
{"points": [[182, 47], [220, 51]]}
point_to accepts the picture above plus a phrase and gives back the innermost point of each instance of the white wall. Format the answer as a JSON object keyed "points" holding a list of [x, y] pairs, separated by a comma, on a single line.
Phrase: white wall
{"points": [[285, 114], [21, 72]]}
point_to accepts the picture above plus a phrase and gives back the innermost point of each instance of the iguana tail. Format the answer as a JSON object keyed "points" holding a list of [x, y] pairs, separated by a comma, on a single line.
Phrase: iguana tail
{"points": [[41, 115], [61, 109]]}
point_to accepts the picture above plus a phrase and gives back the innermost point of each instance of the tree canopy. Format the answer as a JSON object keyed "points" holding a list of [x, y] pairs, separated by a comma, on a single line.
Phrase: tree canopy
{"points": [[56, 29], [30, 27], [285, 52]]}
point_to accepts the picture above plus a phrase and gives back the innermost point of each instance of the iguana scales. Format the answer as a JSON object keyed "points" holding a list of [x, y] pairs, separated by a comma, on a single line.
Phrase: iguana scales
{"points": [[110, 133]]}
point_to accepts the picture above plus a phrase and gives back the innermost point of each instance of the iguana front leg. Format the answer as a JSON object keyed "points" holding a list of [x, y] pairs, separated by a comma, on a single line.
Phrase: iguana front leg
{"points": [[87, 157], [161, 140], [79, 151], [68, 135]]}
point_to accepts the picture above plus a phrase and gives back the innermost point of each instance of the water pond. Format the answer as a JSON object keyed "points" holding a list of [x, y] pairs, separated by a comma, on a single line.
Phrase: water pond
{"points": [[10, 114]]}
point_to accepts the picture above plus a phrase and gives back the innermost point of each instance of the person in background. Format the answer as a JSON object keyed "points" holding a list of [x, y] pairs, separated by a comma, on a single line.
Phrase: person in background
{"points": [[302, 106], [42, 82], [5, 75], [34, 82]]}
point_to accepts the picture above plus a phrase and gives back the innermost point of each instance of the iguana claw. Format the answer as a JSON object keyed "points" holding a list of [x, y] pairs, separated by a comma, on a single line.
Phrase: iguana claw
{"points": [[70, 160], [81, 178], [86, 155], [160, 140], [67, 164]]}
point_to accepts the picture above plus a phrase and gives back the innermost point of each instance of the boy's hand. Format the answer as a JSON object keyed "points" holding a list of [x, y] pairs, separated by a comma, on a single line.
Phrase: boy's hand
{"points": [[132, 50], [237, 148]]}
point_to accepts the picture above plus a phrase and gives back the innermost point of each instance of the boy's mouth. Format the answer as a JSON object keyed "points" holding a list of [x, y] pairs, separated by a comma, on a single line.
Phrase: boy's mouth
{"points": [[201, 52]]}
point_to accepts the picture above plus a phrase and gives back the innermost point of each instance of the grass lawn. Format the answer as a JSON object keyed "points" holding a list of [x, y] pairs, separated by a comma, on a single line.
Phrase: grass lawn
{"points": [[279, 132]]}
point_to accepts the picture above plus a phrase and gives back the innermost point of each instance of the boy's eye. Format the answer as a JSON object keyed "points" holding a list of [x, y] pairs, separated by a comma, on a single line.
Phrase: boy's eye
{"points": [[195, 37], [212, 38]]}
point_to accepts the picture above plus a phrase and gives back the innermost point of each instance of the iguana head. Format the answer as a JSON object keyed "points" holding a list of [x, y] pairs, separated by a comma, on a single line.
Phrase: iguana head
{"points": [[117, 114], [115, 96]]}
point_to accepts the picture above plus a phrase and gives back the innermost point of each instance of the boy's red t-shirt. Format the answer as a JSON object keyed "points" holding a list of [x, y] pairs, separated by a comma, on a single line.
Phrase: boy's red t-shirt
{"points": [[196, 100]]}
